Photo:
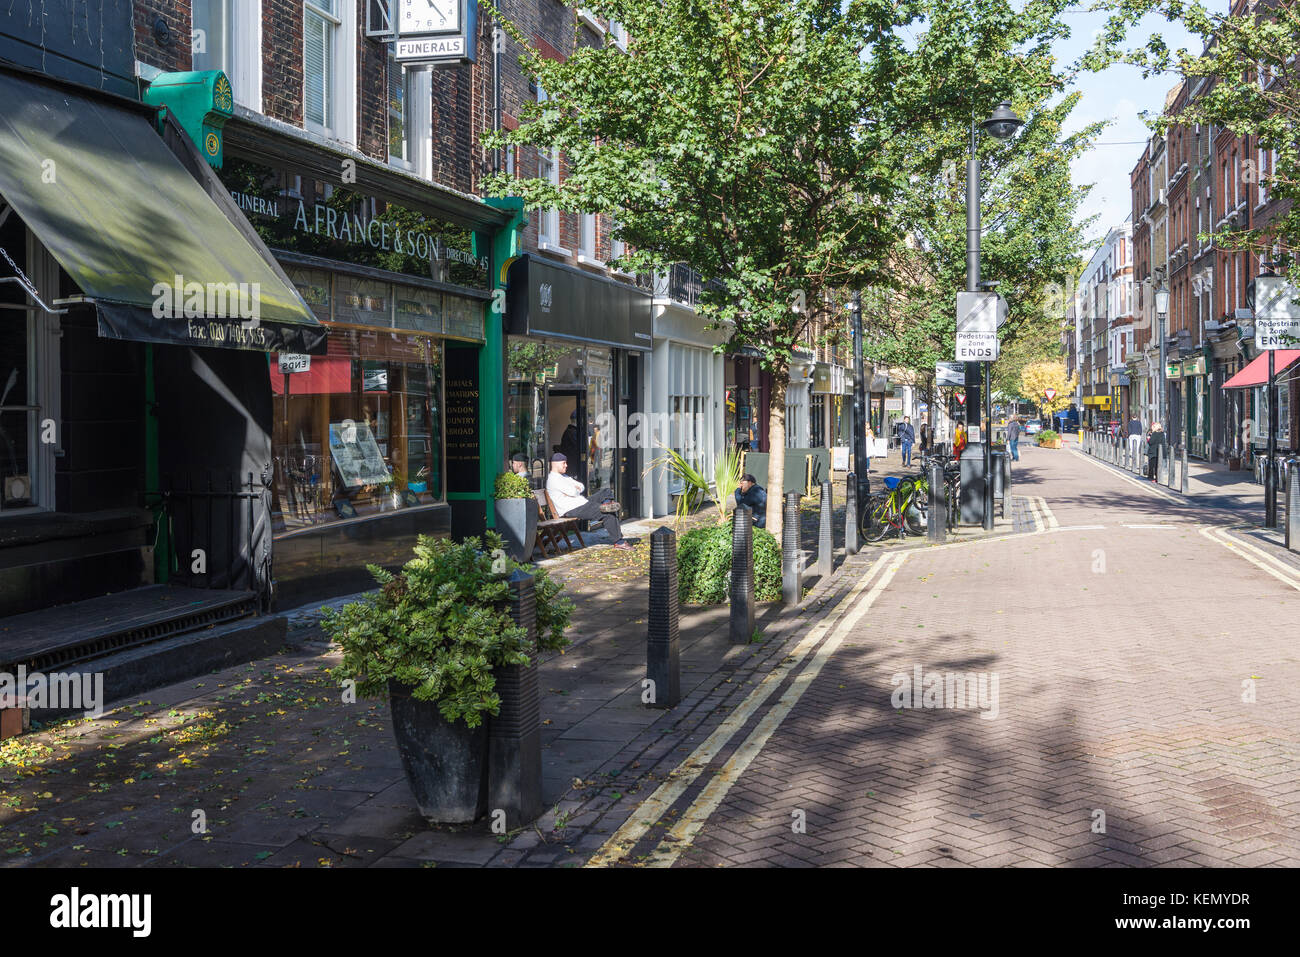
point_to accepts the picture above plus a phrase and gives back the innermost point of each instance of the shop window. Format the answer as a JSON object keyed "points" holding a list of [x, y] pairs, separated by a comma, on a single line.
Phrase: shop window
{"points": [[358, 431], [19, 422], [226, 35], [587, 235]]}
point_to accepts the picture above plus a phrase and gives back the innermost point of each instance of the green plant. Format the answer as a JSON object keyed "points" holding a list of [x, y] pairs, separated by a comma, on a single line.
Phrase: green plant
{"points": [[1046, 436], [695, 487], [511, 485], [726, 479], [441, 626], [704, 565]]}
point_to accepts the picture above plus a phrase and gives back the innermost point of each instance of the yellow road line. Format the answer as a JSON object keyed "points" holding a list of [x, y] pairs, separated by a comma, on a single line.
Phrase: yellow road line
{"points": [[1215, 534], [1052, 523], [654, 807], [688, 826], [1224, 532]]}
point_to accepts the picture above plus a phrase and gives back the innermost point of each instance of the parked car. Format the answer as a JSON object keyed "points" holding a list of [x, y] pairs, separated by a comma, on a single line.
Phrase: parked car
{"points": [[1033, 426]]}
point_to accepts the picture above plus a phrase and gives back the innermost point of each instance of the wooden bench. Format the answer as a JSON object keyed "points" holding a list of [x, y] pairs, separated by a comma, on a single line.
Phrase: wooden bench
{"points": [[551, 530]]}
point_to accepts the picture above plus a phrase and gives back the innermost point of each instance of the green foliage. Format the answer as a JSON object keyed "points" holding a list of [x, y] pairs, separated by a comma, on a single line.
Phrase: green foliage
{"points": [[704, 565], [442, 625], [695, 487], [1047, 436], [726, 478], [510, 485]]}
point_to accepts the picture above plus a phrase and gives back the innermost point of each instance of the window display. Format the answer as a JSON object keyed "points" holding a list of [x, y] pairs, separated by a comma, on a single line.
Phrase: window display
{"points": [[359, 430]]}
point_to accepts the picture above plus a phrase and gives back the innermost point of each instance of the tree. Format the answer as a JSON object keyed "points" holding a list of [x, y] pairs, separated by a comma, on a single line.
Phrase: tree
{"points": [[1253, 89], [1037, 377], [770, 143]]}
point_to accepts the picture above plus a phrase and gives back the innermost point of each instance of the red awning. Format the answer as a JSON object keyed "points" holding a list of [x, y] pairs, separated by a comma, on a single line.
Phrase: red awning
{"points": [[1256, 372]]}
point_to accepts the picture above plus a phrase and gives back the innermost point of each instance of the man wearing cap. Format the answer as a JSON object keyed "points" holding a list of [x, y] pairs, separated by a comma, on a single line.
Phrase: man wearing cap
{"points": [[519, 464], [566, 494]]}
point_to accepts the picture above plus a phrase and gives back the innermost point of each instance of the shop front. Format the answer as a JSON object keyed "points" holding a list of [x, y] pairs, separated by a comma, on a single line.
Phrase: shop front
{"points": [[576, 378], [832, 412], [376, 441], [687, 399], [1225, 405], [1196, 397], [139, 315], [747, 403]]}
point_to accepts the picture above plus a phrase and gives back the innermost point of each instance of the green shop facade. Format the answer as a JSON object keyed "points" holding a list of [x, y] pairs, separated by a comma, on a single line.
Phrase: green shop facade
{"points": [[241, 360]]}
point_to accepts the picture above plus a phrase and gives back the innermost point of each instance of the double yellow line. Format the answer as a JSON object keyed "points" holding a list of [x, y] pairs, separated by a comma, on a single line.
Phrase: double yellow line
{"points": [[1282, 571], [684, 830]]}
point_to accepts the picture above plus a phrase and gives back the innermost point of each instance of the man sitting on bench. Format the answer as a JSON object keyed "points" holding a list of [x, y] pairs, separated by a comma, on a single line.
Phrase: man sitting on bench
{"points": [[566, 495]]}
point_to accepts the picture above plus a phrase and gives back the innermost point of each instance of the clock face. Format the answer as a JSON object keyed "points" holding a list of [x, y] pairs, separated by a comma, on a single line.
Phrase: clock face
{"points": [[429, 16]]}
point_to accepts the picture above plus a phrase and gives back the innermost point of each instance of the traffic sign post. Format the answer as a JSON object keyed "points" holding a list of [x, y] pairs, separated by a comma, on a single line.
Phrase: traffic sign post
{"points": [[1277, 326], [978, 316]]}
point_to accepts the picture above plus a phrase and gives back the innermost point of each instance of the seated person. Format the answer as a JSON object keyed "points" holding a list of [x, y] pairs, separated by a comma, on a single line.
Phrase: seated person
{"points": [[519, 464], [566, 494], [754, 497]]}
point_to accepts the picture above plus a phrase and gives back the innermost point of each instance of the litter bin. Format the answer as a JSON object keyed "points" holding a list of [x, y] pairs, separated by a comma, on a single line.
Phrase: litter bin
{"points": [[972, 484]]}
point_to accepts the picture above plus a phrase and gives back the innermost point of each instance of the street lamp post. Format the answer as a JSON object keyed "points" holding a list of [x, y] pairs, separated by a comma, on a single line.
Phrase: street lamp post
{"points": [[1162, 310], [1001, 124], [863, 489]]}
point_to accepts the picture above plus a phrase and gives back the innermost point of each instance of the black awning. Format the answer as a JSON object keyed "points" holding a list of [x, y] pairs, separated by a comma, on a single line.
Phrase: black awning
{"points": [[547, 299], [149, 249]]}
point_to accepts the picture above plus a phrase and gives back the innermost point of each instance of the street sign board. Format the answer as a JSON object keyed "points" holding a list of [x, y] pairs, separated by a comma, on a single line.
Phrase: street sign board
{"points": [[1050, 393], [1277, 313], [292, 362], [961, 398], [978, 316], [948, 374]]}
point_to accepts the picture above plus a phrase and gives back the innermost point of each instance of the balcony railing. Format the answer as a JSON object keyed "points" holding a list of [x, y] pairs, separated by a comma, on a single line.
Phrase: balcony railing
{"points": [[682, 284]]}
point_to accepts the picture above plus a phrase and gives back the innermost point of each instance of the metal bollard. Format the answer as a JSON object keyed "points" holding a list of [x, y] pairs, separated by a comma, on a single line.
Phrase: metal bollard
{"points": [[1006, 486], [937, 515], [1292, 531], [663, 658], [1160, 464], [515, 734], [791, 559], [1183, 482], [825, 540], [851, 514], [742, 576]]}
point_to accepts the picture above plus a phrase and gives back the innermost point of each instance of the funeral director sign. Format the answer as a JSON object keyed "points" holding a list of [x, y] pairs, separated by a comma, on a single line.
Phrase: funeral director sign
{"points": [[434, 32]]}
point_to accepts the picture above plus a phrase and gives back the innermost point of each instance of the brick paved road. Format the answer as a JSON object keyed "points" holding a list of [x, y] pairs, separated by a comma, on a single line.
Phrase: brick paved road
{"points": [[1120, 654]]}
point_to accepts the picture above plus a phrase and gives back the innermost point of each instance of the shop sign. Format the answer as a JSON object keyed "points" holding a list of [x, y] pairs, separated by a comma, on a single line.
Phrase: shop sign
{"points": [[298, 213], [1194, 366], [1173, 370], [893, 405], [462, 426]]}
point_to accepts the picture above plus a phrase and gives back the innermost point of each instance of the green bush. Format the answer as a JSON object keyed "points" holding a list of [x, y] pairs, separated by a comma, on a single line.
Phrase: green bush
{"points": [[442, 625], [1047, 435], [704, 565], [510, 485]]}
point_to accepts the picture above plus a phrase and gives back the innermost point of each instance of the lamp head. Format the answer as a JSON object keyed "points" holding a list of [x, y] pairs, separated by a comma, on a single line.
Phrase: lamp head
{"points": [[1162, 301], [1003, 123]]}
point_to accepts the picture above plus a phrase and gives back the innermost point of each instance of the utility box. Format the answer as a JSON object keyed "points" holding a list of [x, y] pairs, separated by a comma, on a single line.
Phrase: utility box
{"points": [[972, 484]]}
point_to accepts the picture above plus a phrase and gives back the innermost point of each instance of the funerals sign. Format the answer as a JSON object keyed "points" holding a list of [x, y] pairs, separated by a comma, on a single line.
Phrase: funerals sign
{"points": [[433, 32]]}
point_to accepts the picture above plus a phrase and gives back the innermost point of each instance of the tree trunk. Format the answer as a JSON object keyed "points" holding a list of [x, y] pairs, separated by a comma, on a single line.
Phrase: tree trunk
{"points": [[776, 452]]}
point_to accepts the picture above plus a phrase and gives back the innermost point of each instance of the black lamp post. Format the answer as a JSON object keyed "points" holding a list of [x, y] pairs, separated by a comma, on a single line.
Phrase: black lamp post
{"points": [[1162, 310], [1001, 124]]}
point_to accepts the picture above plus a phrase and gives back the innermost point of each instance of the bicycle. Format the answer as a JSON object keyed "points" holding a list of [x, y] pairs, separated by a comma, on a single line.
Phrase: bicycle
{"points": [[901, 509]]}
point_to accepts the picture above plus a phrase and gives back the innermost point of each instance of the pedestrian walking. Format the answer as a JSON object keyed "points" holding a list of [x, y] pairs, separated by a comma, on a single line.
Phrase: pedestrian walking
{"points": [[1134, 436], [1155, 442], [925, 438], [1013, 439], [906, 436]]}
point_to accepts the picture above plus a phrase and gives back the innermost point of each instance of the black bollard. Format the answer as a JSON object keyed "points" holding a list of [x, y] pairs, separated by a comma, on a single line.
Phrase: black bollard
{"points": [[791, 559], [663, 658], [937, 515], [1292, 530], [515, 735], [851, 514], [825, 541], [742, 576]]}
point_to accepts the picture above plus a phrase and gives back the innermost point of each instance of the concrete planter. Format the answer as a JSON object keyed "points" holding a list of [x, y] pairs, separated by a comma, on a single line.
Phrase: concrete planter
{"points": [[446, 763], [517, 524]]}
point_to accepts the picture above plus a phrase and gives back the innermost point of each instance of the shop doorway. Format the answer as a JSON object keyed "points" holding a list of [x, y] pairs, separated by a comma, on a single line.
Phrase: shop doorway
{"points": [[566, 424]]}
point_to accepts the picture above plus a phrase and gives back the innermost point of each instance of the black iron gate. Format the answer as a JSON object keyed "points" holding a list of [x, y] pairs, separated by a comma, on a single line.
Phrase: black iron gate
{"points": [[219, 532]]}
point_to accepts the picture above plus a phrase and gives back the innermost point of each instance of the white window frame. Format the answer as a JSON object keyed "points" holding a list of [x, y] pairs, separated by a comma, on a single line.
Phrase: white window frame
{"points": [[589, 18], [242, 62], [343, 89], [618, 33], [418, 120], [548, 220], [588, 240]]}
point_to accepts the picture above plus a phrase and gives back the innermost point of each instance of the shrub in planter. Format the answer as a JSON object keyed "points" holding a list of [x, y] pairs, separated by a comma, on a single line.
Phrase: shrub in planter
{"points": [[516, 515], [430, 638], [1048, 437], [704, 565]]}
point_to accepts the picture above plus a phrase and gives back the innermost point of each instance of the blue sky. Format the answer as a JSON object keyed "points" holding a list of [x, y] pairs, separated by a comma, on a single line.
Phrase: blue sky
{"points": [[1119, 94]]}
